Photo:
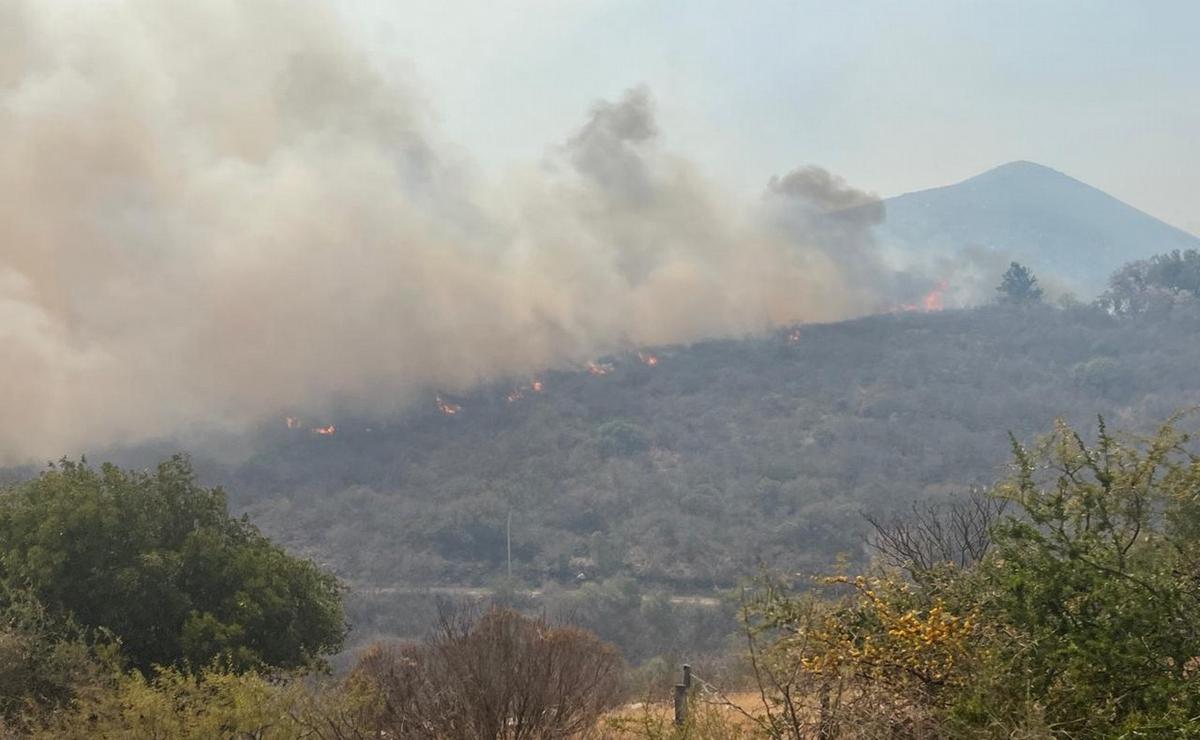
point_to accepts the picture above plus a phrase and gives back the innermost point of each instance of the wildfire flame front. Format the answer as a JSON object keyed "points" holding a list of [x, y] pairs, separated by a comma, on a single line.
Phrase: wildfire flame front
{"points": [[932, 301]]}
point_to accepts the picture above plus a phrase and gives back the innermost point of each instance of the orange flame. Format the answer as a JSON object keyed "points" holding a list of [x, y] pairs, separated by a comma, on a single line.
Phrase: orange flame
{"points": [[648, 359], [447, 408], [793, 336], [599, 369], [934, 300], [537, 386], [292, 422], [326, 431]]}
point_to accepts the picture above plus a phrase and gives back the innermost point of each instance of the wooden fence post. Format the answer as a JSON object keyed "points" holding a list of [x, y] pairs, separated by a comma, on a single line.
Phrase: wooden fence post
{"points": [[680, 704], [681, 695]]}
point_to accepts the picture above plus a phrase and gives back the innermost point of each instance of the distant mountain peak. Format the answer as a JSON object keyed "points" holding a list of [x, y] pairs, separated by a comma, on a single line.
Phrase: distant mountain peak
{"points": [[1024, 173], [1023, 165], [1069, 232]]}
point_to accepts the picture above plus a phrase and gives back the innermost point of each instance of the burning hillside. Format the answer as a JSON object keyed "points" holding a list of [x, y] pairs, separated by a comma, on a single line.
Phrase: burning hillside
{"points": [[317, 169]]}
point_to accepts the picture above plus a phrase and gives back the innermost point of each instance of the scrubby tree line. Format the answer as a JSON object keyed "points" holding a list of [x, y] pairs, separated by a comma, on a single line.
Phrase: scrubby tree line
{"points": [[1155, 284]]}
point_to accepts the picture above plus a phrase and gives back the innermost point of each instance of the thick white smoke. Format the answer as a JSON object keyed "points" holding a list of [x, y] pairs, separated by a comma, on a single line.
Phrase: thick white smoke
{"points": [[211, 213]]}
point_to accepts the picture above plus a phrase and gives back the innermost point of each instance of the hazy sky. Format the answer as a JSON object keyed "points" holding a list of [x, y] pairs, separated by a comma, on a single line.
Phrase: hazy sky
{"points": [[894, 96]]}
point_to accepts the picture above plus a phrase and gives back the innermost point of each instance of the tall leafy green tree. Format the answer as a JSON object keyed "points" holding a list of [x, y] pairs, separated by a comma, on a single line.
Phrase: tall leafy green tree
{"points": [[1019, 285], [157, 560]]}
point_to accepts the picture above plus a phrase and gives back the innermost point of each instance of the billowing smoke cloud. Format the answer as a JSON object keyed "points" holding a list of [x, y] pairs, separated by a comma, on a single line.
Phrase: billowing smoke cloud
{"points": [[818, 209], [212, 213]]}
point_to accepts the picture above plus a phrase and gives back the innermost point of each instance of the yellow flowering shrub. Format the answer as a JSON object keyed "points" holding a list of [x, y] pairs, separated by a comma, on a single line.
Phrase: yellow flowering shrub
{"points": [[883, 634]]}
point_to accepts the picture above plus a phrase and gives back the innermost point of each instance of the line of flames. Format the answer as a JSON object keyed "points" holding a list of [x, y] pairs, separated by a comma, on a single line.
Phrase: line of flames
{"points": [[449, 408], [932, 301]]}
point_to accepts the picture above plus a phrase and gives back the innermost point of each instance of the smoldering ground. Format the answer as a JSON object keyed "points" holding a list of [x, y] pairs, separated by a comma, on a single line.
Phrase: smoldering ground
{"points": [[213, 213]]}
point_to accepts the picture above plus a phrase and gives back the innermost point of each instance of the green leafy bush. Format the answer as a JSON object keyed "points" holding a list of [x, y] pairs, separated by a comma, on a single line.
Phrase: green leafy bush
{"points": [[157, 561]]}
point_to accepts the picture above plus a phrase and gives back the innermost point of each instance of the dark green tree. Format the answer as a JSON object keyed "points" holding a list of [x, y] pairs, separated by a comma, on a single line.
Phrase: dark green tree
{"points": [[620, 437], [156, 560], [1019, 285]]}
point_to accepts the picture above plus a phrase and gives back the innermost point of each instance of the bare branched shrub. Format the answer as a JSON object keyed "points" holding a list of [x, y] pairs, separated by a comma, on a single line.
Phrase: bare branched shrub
{"points": [[930, 534], [496, 675]]}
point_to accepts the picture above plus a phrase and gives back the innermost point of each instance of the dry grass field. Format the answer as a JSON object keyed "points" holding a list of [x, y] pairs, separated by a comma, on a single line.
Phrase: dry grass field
{"points": [[712, 718]]}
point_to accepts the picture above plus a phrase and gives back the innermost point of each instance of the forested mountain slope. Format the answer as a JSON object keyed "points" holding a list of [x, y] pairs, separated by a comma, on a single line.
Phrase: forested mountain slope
{"points": [[687, 471]]}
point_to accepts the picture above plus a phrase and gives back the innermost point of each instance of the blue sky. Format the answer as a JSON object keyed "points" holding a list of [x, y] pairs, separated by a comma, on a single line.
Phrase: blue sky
{"points": [[893, 96]]}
